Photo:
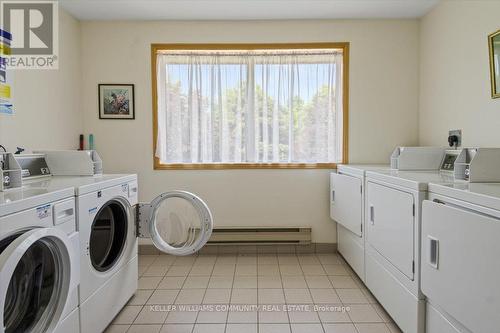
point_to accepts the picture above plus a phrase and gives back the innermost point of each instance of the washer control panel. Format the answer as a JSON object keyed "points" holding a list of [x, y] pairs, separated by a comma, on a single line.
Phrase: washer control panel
{"points": [[33, 165]]}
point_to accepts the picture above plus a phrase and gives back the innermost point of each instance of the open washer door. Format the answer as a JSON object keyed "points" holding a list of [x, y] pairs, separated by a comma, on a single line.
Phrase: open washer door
{"points": [[178, 222], [36, 275]]}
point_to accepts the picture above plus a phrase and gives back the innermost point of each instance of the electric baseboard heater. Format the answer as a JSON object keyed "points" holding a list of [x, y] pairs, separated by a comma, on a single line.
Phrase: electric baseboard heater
{"points": [[260, 235]]}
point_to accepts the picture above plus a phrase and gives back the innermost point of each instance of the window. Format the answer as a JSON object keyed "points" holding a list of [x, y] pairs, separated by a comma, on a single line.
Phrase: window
{"points": [[250, 106]]}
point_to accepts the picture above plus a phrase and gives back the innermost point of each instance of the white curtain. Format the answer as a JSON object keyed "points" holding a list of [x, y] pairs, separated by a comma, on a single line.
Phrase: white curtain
{"points": [[249, 107]]}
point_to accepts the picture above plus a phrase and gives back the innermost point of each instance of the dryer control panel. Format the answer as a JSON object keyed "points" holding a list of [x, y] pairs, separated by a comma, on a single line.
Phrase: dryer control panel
{"points": [[448, 163]]}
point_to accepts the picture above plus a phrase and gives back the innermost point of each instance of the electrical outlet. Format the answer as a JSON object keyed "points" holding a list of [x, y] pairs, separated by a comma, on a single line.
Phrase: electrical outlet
{"points": [[458, 134]]}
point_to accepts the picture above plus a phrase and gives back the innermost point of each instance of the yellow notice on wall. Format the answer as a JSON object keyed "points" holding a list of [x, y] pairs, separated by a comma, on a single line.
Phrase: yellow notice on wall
{"points": [[4, 91], [4, 49]]}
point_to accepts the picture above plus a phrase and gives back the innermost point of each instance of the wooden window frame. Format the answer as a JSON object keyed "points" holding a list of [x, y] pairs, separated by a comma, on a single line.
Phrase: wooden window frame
{"points": [[344, 46]]}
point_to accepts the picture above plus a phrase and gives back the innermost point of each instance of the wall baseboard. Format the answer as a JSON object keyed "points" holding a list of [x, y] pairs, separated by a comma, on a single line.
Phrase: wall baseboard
{"points": [[255, 249]]}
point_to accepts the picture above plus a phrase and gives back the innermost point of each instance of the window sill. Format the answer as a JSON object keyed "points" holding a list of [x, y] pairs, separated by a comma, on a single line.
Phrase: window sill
{"points": [[222, 166]]}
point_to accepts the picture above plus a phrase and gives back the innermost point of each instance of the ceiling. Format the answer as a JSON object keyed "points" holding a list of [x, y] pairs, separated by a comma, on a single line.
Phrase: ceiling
{"points": [[245, 9]]}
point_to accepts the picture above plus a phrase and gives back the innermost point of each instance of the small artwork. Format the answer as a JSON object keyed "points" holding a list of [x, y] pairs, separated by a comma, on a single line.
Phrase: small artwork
{"points": [[116, 101], [494, 41]]}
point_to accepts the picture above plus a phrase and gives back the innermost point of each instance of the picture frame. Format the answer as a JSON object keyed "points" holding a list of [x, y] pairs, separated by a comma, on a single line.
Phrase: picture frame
{"points": [[116, 101], [494, 53]]}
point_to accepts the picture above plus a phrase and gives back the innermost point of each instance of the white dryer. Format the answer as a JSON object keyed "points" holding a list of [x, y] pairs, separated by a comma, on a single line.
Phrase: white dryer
{"points": [[347, 202], [348, 197], [39, 261], [392, 247], [460, 267]]}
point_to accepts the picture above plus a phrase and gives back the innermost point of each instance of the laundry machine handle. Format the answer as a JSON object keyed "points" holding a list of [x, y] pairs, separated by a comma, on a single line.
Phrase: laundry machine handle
{"points": [[433, 254], [64, 212]]}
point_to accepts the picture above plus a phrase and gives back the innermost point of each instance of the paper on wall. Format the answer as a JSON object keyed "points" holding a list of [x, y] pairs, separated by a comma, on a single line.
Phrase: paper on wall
{"points": [[5, 99], [5, 90]]}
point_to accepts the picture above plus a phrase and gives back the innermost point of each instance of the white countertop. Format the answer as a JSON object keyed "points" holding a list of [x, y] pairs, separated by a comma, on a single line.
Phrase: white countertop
{"points": [[415, 180], [483, 194], [20, 199], [361, 169], [82, 184]]}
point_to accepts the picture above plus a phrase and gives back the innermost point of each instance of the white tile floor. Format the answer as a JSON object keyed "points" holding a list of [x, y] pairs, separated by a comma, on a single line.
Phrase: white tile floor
{"points": [[250, 293]]}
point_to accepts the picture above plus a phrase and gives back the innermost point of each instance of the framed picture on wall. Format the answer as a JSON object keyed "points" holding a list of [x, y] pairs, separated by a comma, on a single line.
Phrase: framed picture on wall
{"points": [[494, 42], [116, 101]]}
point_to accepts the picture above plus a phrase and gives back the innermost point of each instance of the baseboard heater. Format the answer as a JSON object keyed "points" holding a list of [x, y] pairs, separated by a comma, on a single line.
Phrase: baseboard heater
{"points": [[260, 235]]}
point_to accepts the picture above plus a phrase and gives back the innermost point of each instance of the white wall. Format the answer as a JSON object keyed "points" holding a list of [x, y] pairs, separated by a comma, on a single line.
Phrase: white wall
{"points": [[47, 103], [454, 71], [388, 106], [383, 111]]}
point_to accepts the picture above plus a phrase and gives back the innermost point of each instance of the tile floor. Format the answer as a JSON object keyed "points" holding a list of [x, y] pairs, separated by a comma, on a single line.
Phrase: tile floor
{"points": [[250, 293]]}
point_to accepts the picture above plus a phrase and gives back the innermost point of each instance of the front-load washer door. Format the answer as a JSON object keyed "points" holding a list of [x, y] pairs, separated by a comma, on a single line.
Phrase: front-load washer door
{"points": [[178, 222], [36, 275], [108, 235]]}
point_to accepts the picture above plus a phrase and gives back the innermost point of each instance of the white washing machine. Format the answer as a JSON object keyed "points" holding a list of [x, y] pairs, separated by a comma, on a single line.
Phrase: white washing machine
{"points": [[109, 247], [392, 246], [105, 221], [178, 223], [39, 261], [109, 222]]}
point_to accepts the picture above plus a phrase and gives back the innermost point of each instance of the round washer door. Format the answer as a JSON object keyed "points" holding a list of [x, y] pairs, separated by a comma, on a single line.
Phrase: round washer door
{"points": [[180, 223], [108, 235], [37, 275]]}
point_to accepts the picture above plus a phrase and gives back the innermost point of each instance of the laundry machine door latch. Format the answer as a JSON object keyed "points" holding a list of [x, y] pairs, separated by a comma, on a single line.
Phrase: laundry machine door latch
{"points": [[142, 212]]}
